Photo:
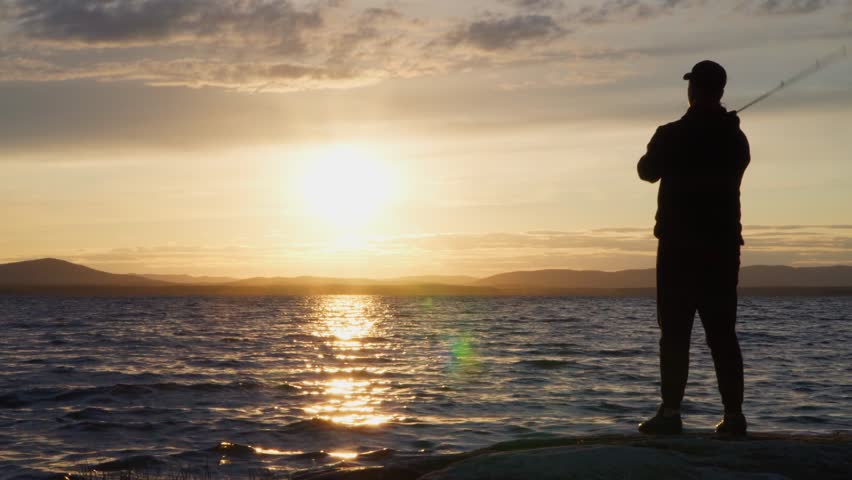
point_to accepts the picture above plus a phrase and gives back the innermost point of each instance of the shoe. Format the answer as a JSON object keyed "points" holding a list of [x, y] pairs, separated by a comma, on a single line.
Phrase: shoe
{"points": [[662, 425], [732, 424]]}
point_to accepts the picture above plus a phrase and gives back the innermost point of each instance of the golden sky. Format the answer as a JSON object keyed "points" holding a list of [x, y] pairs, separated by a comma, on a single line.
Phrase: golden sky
{"points": [[387, 138]]}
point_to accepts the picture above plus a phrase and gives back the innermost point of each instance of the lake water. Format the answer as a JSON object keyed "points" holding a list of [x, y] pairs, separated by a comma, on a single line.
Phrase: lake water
{"points": [[312, 381]]}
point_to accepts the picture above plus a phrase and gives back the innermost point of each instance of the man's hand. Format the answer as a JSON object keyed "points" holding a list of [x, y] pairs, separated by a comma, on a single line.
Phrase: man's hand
{"points": [[652, 164]]}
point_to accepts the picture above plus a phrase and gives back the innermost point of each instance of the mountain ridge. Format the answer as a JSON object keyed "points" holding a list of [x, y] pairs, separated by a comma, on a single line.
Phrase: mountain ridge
{"points": [[189, 279], [51, 273], [750, 276], [56, 272]]}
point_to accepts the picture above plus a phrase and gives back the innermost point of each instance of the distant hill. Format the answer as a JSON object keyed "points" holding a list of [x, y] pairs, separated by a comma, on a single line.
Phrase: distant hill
{"points": [[782, 276], [572, 279], [51, 276], [189, 279], [50, 272], [751, 276], [435, 279]]}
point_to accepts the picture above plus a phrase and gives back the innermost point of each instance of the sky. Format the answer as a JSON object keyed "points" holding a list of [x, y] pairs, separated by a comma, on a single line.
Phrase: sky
{"points": [[357, 138]]}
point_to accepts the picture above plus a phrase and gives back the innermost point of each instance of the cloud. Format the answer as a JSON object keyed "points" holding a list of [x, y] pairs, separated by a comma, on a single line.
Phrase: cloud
{"points": [[375, 13], [608, 11], [135, 22], [507, 33], [244, 45], [797, 227], [790, 7], [239, 76], [375, 32], [638, 241], [283, 45], [254, 77], [628, 10], [536, 5]]}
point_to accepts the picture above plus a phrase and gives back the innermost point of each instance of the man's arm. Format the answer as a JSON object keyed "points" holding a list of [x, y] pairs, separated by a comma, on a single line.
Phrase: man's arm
{"points": [[744, 151], [652, 164]]}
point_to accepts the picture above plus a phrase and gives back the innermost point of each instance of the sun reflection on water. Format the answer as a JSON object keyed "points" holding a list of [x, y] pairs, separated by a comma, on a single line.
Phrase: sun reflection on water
{"points": [[349, 325], [346, 318], [343, 455], [274, 451]]}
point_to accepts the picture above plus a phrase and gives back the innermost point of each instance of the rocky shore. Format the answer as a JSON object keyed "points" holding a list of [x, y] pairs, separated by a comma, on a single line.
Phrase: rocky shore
{"points": [[774, 456]]}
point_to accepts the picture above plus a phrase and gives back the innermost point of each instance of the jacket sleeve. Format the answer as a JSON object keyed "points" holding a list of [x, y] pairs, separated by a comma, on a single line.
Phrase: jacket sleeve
{"points": [[744, 151], [741, 151], [652, 165]]}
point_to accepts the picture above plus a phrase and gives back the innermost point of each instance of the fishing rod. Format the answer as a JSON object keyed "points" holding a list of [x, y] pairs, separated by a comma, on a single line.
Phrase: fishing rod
{"points": [[823, 62]]}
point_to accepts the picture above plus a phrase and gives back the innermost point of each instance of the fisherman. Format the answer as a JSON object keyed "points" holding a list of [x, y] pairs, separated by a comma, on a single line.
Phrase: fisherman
{"points": [[699, 161]]}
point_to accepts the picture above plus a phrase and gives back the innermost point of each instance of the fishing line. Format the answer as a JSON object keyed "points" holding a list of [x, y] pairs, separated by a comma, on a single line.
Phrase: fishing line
{"points": [[823, 62]]}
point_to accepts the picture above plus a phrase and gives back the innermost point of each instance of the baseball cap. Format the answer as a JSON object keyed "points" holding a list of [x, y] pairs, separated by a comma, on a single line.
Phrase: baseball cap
{"points": [[707, 73]]}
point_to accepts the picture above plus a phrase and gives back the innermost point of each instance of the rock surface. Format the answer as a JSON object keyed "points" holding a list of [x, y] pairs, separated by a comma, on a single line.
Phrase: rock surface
{"points": [[766, 456], [693, 456]]}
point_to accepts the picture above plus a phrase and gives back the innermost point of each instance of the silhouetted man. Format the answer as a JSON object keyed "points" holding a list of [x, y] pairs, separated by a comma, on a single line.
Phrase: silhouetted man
{"points": [[699, 160]]}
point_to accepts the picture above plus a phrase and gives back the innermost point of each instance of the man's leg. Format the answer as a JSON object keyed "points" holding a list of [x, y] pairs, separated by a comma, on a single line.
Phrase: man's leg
{"points": [[718, 310], [675, 314]]}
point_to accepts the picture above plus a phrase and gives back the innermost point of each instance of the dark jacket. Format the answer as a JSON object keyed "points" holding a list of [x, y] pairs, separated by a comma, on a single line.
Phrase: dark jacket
{"points": [[700, 160]]}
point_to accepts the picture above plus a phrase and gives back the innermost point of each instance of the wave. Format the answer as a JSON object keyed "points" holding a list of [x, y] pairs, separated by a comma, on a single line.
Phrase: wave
{"points": [[319, 425], [222, 363], [241, 450], [129, 464], [546, 364], [621, 352], [805, 420], [309, 456], [96, 413], [375, 339], [234, 339], [12, 400], [121, 390], [89, 413], [609, 407], [233, 449], [103, 426]]}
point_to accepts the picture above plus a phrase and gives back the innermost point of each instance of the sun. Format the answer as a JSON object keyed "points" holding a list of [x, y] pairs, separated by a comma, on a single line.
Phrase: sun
{"points": [[346, 185]]}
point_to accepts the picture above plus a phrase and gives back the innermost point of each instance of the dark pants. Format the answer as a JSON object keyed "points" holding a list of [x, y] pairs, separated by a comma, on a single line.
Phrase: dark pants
{"points": [[703, 279]]}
